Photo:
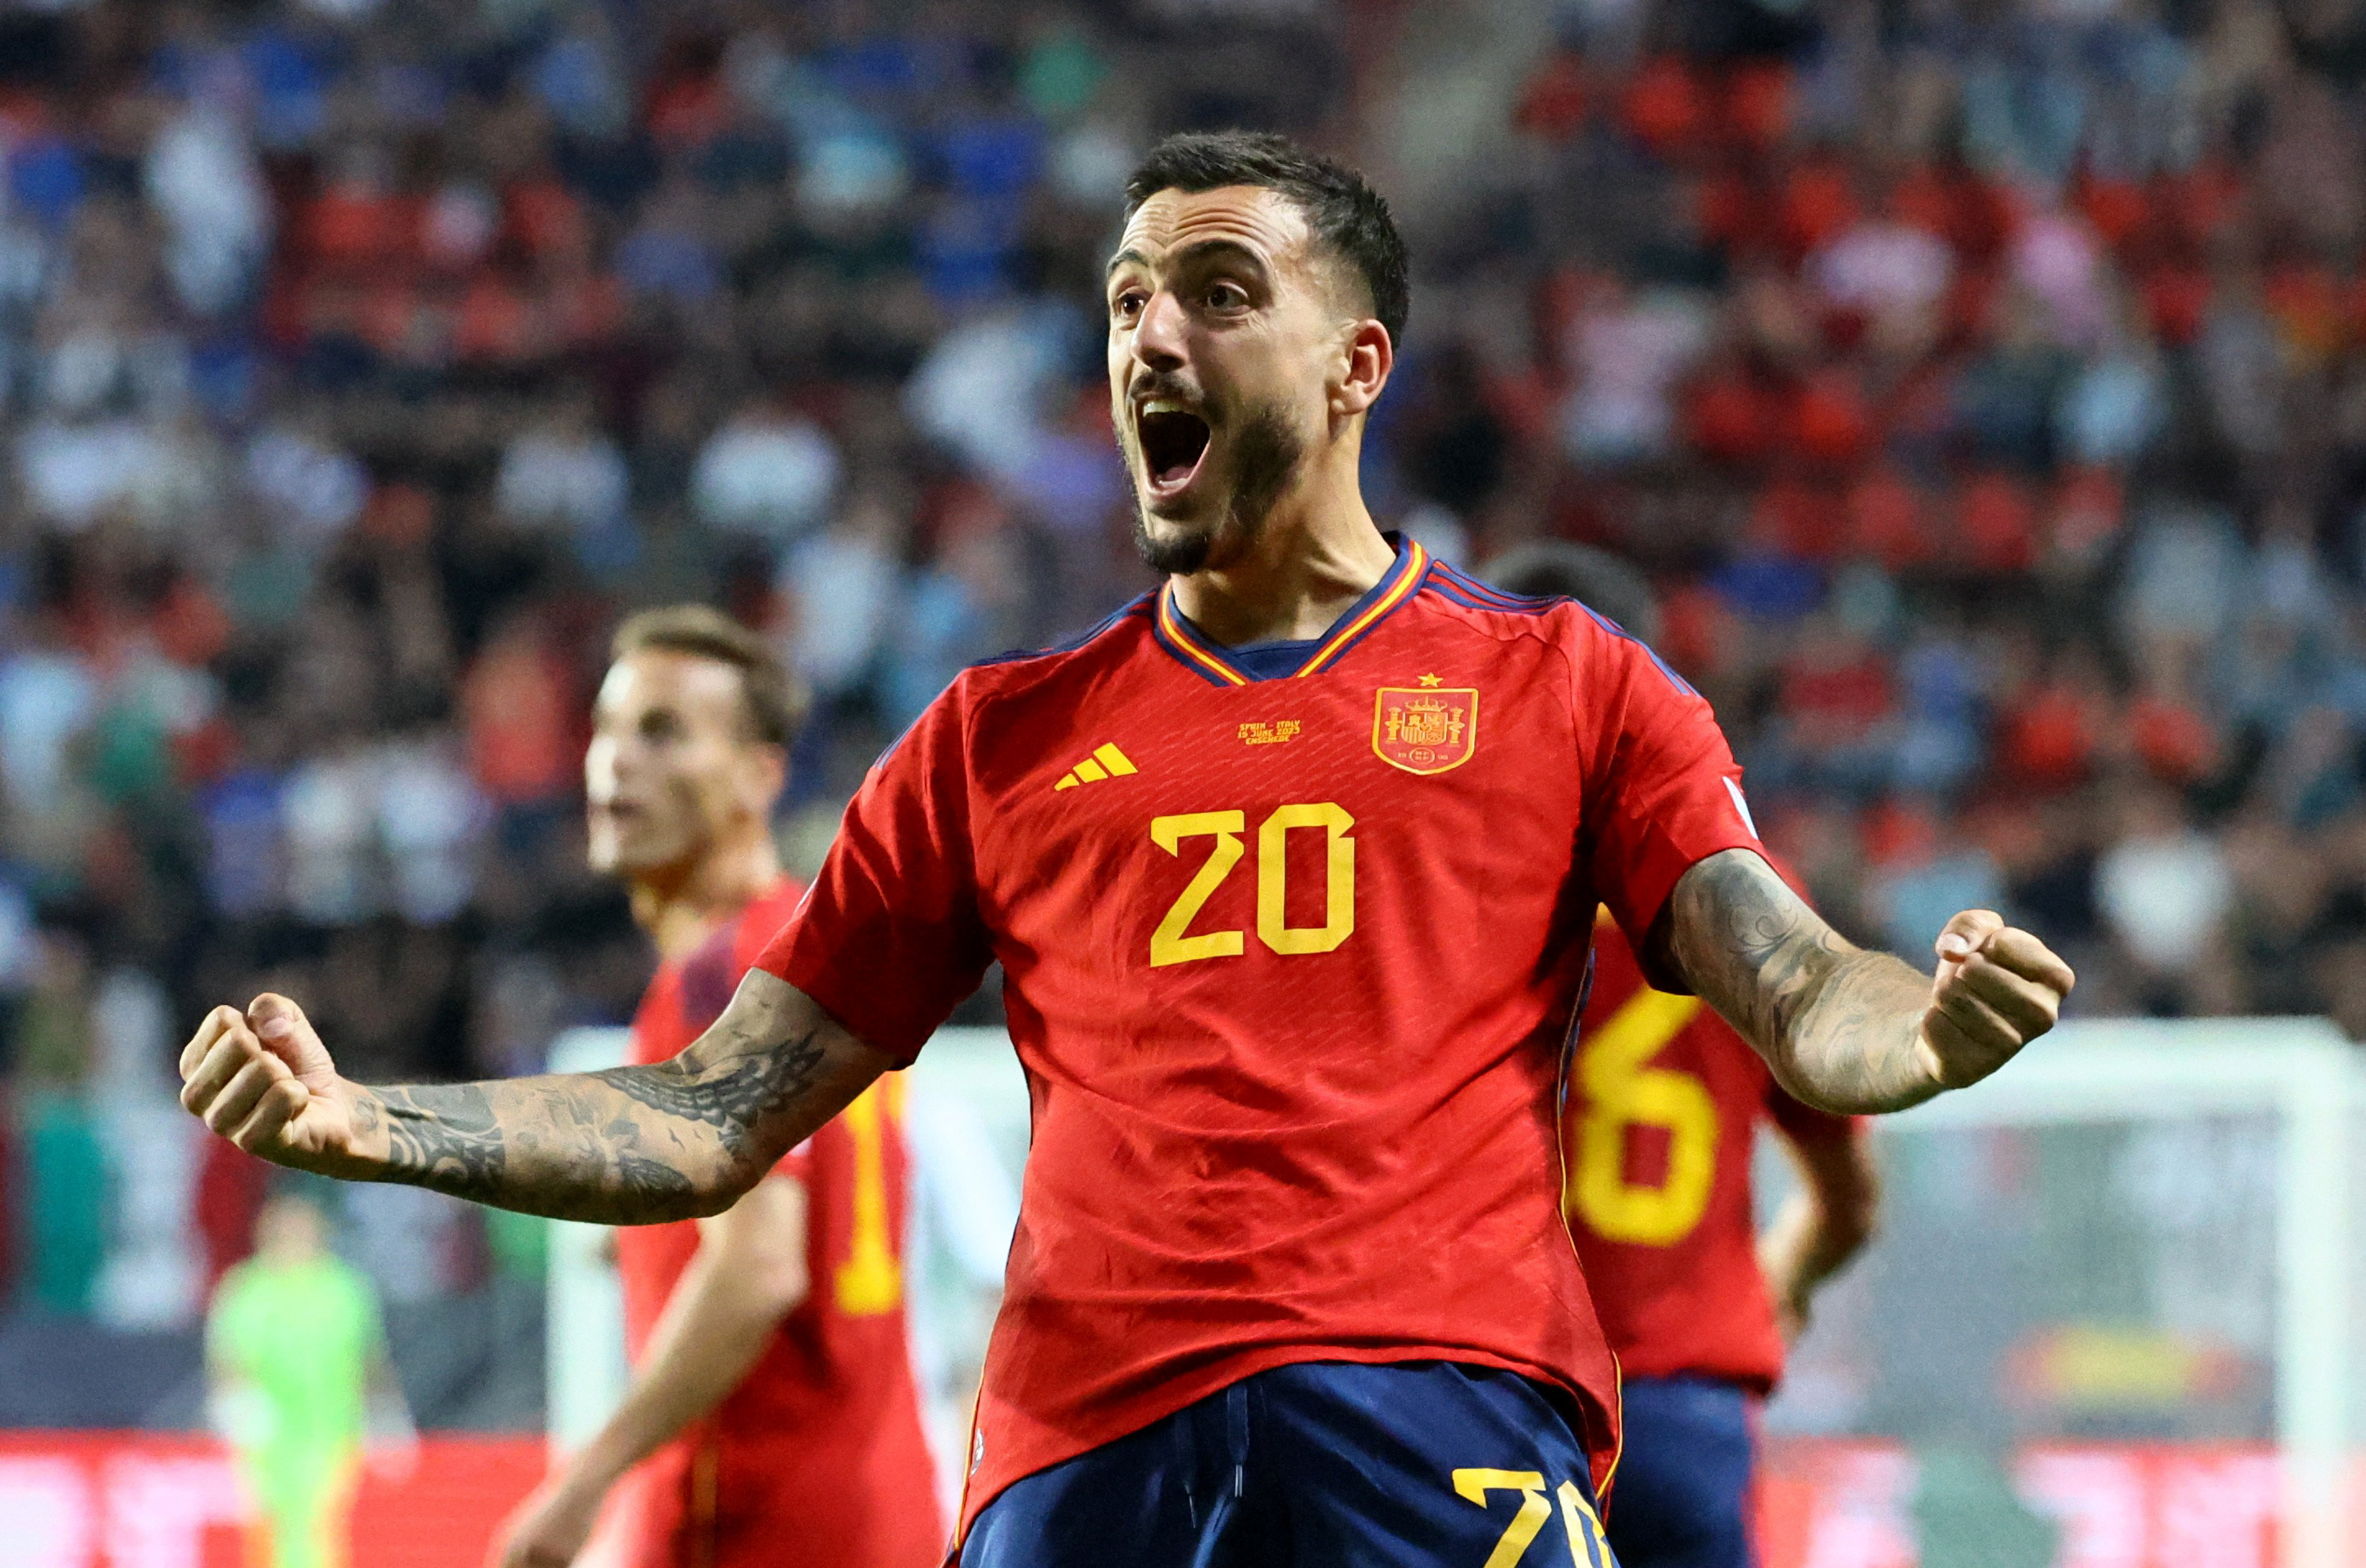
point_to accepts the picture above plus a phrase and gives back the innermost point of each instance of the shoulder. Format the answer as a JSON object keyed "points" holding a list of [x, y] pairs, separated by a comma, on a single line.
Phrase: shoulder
{"points": [[1047, 679], [761, 921], [1597, 651], [1112, 640], [237, 1286], [1555, 618], [1458, 586]]}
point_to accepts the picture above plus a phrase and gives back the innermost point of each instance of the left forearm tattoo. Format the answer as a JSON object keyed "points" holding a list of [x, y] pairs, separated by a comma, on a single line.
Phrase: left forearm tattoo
{"points": [[1838, 1025]]}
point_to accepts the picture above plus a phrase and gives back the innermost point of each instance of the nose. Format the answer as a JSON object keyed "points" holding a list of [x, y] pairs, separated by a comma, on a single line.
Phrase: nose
{"points": [[1158, 336]]}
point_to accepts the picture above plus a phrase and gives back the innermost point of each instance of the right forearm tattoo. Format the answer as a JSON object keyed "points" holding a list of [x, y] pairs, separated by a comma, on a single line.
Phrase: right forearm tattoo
{"points": [[627, 1145], [444, 1133], [546, 1146], [1838, 1025]]}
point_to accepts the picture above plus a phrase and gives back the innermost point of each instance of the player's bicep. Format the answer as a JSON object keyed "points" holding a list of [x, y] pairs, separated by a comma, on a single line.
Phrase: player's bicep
{"points": [[1735, 934]]}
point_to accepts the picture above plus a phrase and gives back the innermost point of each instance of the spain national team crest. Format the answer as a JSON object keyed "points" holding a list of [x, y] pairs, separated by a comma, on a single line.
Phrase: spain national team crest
{"points": [[1425, 729]]}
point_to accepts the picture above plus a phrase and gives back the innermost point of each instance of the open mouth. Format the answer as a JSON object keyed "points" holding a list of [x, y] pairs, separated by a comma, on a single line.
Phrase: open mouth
{"points": [[1173, 440]]}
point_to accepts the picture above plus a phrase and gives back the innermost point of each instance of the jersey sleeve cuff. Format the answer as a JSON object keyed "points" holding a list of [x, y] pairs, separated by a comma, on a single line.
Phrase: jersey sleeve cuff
{"points": [[847, 998], [1647, 893]]}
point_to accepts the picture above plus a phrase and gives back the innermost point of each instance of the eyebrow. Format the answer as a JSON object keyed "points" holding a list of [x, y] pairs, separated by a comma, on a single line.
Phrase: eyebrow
{"points": [[1198, 250]]}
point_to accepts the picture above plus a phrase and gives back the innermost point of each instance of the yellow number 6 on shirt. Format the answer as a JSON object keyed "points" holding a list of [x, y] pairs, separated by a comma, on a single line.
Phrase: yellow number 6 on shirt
{"points": [[1620, 1092]]}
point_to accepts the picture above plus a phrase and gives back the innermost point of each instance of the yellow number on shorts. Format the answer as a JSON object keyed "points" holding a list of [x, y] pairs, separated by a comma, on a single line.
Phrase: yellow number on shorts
{"points": [[869, 1282], [1588, 1547], [1473, 1487], [1620, 1092], [1168, 943]]}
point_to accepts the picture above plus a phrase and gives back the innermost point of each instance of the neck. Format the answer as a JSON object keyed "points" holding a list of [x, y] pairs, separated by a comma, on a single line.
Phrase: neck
{"points": [[680, 906], [1318, 553]]}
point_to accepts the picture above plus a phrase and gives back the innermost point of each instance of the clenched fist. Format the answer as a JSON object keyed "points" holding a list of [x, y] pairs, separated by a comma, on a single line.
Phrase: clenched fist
{"points": [[263, 1080], [1997, 989]]}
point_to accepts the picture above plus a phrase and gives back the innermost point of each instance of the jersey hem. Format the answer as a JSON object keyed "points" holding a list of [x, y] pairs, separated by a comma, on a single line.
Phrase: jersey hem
{"points": [[1759, 1384]]}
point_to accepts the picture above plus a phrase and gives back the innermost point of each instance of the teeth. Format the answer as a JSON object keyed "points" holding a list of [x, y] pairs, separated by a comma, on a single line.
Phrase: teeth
{"points": [[1163, 405]]}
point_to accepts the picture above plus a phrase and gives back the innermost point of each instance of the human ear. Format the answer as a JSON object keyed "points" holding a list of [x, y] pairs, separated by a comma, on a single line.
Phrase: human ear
{"points": [[762, 774], [1369, 357]]}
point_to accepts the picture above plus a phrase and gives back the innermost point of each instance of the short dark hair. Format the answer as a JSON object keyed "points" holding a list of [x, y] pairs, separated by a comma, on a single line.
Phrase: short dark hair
{"points": [[1595, 578], [1350, 220], [775, 698]]}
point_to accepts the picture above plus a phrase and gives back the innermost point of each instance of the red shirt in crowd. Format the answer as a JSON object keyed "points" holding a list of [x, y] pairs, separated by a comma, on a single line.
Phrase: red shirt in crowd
{"points": [[816, 1460], [1663, 1099], [1289, 963]]}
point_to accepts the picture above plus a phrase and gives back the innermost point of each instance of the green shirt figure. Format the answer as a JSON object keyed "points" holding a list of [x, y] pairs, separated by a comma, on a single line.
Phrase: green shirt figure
{"points": [[294, 1347]]}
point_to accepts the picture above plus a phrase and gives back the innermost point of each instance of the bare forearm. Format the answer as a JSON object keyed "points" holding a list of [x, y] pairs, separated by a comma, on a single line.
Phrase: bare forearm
{"points": [[1807, 1244], [1823, 1225], [632, 1145], [708, 1337], [1839, 1026], [1853, 1046], [580, 1146]]}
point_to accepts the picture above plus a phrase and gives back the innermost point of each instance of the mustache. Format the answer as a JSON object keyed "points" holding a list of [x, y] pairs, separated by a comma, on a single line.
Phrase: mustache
{"points": [[1162, 383]]}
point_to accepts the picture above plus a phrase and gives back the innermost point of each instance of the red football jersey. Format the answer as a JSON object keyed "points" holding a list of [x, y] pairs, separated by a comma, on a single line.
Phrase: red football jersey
{"points": [[818, 1457], [1288, 964], [1663, 1099]]}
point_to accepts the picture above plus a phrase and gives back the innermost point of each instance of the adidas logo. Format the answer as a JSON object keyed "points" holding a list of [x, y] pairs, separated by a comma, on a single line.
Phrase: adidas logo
{"points": [[1107, 762]]}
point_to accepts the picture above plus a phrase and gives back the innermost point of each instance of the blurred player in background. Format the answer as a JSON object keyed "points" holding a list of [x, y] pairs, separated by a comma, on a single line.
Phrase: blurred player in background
{"points": [[772, 1398], [1696, 1307], [299, 1382], [1290, 866]]}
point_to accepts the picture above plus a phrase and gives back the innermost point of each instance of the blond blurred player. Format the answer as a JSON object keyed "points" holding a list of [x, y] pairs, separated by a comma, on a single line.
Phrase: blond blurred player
{"points": [[771, 1411]]}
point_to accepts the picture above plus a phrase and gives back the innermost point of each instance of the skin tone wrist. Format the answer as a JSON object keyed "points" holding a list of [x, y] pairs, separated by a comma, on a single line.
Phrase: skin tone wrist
{"points": [[1844, 1029]]}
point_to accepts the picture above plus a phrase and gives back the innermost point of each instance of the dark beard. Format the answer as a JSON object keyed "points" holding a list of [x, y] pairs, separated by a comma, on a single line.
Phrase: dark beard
{"points": [[1265, 455]]}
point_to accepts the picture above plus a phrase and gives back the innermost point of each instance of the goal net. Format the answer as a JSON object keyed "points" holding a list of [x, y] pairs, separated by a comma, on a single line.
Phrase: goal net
{"points": [[2109, 1320]]}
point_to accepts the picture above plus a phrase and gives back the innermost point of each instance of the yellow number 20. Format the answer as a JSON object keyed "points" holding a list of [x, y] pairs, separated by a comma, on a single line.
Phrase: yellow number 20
{"points": [[1169, 944], [1620, 1092]]}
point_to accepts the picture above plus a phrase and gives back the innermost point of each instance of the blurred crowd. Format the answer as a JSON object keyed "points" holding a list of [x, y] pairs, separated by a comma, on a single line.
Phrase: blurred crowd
{"points": [[1982, 382]]}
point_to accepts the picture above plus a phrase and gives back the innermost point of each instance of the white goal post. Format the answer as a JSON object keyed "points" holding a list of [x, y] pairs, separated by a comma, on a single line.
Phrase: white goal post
{"points": [[2303, 1073]]}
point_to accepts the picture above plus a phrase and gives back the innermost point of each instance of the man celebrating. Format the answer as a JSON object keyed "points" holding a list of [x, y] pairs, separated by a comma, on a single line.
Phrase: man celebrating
{"points": [[1292, 869], [772, 1398], [1695, 1306]]}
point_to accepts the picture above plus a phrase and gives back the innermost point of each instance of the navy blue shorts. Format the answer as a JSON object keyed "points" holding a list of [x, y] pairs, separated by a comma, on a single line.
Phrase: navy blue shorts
{"points": [[1681, 1498], [1325, 1464]]}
